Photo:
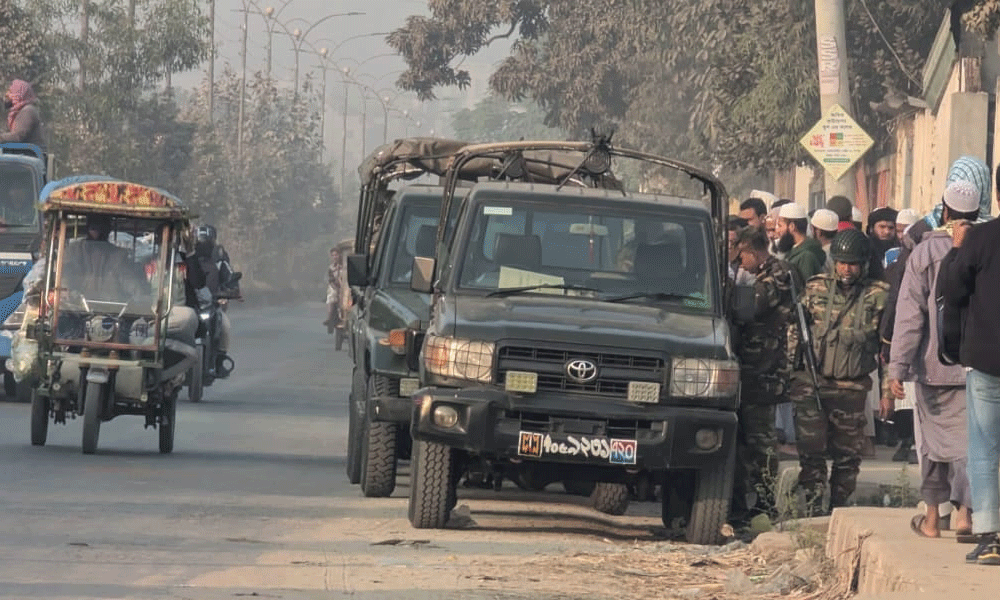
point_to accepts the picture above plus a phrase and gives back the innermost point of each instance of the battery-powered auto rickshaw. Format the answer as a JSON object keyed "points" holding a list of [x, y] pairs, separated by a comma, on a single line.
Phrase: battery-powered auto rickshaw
{"points": [[106, 332]]}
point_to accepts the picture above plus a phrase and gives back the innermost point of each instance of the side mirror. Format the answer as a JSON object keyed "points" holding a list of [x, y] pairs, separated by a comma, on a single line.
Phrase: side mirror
{"points": [[357, 270], [422, 275], [743, 303]]}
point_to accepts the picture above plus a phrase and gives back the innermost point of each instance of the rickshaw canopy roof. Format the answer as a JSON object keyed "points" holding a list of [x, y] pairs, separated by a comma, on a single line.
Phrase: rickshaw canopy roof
{"points": [[101, 194]]}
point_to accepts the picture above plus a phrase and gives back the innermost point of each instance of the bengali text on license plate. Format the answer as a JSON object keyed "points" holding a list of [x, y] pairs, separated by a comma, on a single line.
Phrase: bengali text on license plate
{"points": [[537, 445]]}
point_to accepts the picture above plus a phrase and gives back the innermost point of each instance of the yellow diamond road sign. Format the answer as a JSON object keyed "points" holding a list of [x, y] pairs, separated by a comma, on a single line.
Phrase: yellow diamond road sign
{"points": [[837, 141]]}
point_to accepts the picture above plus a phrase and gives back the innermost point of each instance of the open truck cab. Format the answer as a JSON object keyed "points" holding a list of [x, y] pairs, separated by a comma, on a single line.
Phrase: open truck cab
{"points": [[24, 171], [578, 332], [397, 221]]}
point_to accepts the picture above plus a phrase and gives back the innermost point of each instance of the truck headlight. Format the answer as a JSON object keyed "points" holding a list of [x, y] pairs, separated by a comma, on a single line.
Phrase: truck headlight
{"points": [[458, 358], [704, 378]]}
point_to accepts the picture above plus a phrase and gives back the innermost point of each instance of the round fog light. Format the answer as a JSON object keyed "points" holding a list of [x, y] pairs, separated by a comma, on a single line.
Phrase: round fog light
{"points": [[706, 439], [445, 416]]}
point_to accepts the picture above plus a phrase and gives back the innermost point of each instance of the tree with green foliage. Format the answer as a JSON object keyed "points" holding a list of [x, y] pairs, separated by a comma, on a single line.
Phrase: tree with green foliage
{"points": [[274, 199], [497, 119], [22, 47], [728, 81]]}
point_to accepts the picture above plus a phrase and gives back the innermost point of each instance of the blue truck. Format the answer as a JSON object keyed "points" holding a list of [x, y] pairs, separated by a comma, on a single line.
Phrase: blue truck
{"points": [[24, 170]]}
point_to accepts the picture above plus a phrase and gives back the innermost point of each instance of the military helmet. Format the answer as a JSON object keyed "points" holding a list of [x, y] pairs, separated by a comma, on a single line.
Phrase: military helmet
{"points": [[850, 246]]}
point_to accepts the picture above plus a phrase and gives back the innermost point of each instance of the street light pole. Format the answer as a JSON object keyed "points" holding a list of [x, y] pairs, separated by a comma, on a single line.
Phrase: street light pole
{"points": [[211, 61], [243, 91], [343, 139], [298, 36]]}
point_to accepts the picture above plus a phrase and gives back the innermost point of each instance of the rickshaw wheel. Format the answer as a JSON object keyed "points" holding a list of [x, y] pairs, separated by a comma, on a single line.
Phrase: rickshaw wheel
{"points": [[91, 417], [167, 422], [196, 385], [39, 418]]}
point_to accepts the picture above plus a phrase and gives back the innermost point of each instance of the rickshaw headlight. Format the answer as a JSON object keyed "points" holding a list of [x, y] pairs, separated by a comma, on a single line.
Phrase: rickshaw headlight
{"points": [[101, 328], [141, 333]]}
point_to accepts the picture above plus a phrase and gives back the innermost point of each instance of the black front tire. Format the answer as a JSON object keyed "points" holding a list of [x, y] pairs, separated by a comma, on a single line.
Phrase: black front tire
{"points": [[610, 498], [9, 385], [712, 497], [196, 383], [39, 418], [168, 424], [378, 474], [378, 446], [432, 485], [92, 417]]}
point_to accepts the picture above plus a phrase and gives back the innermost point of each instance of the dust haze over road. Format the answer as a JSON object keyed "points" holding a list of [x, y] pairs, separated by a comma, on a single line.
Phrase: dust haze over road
{"points": [[254, 502]]}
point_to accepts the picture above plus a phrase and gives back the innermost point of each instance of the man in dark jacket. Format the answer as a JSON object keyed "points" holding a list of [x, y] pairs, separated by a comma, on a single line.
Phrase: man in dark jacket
{"points": [[970, 281]]}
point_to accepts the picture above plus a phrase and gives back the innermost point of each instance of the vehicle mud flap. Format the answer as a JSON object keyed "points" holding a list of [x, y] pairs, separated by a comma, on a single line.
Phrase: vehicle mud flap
{"points": [[610, 498], [92, 408], [712, 497], [353, 429], [432, 485], [574, 487], [39, 418]]}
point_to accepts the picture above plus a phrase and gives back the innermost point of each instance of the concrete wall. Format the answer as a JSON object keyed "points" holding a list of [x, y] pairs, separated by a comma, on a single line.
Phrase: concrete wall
{"points": [[927, 142]]}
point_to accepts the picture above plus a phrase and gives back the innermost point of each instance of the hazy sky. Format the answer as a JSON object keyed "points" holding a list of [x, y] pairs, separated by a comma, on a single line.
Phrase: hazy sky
{"points": [[366, 122], [380, 66]]}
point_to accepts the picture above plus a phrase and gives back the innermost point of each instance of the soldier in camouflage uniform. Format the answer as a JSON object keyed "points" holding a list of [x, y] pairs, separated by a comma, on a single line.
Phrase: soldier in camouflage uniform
{"points": [[843, 309], [761, 348]]}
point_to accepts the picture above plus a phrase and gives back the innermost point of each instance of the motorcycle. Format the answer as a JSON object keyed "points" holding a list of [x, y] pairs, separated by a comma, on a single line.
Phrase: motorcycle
{"points": [[106, 332], [208, 366]]}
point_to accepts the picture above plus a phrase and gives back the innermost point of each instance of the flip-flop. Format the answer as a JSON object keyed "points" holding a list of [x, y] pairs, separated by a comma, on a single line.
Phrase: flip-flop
{"points": [[965, 536], [916, 524]]}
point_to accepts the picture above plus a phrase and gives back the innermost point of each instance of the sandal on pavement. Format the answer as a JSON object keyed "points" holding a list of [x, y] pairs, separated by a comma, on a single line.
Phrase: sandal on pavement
{"points": [[917, 524], [987, 552]]}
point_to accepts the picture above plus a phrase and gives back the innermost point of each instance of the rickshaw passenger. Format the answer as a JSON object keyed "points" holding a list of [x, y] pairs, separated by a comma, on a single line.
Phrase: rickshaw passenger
{"points": [[100, 270]]}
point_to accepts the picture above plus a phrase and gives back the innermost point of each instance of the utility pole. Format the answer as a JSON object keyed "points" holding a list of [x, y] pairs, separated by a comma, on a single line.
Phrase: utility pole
{"points": [[211, 61], [834, 86], [243, 89], [343, 140]]}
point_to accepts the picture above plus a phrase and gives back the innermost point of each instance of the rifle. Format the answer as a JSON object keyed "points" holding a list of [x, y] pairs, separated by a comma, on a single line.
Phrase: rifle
{"points": [[806, 340]]}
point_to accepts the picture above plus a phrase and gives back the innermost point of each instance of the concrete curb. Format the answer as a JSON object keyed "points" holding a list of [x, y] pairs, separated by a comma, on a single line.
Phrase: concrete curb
{"points": [[877, 556]]}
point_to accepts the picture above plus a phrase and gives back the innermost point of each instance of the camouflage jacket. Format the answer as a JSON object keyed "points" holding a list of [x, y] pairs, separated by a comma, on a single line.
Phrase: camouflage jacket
{"points": [[823, 294], [761, 344]]}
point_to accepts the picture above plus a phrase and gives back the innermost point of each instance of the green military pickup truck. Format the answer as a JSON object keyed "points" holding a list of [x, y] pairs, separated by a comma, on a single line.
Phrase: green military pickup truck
{"points": [[578, 332]]}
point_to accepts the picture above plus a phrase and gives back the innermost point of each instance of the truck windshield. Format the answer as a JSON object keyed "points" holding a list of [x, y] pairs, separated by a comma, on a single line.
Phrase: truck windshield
{"points": [[417, 233], [18, 197], [603, 252]]}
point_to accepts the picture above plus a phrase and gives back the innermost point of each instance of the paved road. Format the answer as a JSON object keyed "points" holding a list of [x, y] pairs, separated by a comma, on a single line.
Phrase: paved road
{"points": [[254, 501]]}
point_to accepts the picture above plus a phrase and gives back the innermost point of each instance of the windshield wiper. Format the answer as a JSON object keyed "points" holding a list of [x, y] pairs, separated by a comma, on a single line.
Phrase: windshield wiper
{"points": [[656, 296], [545, 286], [18, 225]]}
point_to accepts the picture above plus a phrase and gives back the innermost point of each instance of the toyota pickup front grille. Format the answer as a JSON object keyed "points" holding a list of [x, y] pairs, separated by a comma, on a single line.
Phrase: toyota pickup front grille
{"points": [[614, 371]]}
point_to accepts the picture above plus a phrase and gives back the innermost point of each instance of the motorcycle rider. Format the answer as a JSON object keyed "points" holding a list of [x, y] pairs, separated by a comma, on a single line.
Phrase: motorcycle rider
{"points": [[209, 275]]}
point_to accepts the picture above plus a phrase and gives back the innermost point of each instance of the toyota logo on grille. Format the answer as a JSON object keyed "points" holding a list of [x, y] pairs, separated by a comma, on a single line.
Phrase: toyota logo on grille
{"points": [[581, 371]]}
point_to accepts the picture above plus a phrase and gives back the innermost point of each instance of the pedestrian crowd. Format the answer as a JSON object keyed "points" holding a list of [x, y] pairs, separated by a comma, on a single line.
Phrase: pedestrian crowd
{"points": [[873, 333]]}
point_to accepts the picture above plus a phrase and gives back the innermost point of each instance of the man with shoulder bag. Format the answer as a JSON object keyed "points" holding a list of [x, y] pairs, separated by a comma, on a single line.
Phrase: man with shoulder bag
{"points": [[842, 311], [969, 285]]}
